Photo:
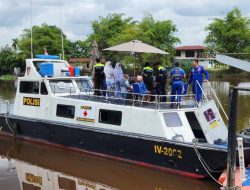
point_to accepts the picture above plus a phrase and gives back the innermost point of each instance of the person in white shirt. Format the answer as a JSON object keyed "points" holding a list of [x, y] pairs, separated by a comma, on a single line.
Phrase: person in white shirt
{"points": [[109, 73]]}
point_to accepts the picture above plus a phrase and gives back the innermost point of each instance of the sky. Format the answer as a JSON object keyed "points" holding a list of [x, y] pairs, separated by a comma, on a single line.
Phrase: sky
{"points": [[190, 16]]}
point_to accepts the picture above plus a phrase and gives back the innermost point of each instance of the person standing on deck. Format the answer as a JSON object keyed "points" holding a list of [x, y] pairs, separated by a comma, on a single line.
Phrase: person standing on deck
{"points": [[125, 86], [161, 80], [147, 75], [197, 77], [177, 75], [118, 72], [99, 76], [109, 73]]}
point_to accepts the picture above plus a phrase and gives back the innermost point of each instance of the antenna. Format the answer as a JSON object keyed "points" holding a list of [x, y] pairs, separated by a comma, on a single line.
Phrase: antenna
{"points": [[31, 31], [59, 3]]}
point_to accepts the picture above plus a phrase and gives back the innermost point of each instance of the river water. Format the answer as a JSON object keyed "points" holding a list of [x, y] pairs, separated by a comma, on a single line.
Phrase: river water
{"points": [[70, 170]]}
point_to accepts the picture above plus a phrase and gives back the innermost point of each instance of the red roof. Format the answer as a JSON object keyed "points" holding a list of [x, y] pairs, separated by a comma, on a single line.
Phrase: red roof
{"points": [[198, 47]]}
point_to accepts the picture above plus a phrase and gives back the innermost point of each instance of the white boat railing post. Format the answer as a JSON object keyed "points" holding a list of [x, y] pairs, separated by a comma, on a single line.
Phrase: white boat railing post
{"points": [[197, 83], [157, 102], [7, 107], [241, 159]]}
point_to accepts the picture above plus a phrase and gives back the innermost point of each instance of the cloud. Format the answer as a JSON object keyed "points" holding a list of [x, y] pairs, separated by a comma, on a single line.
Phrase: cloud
{"points": [[77, 16]]}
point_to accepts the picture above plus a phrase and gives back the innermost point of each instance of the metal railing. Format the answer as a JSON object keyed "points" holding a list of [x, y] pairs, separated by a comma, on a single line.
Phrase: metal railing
{"points": [[6, 106], [210, 94], [132, 99]]}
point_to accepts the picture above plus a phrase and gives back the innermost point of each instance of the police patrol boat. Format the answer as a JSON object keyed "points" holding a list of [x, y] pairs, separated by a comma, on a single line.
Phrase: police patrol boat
{"points": [[56, 106]]}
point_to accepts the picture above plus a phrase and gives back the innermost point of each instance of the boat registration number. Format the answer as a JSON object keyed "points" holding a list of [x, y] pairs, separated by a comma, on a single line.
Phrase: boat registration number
{"points": [[168, 151]]}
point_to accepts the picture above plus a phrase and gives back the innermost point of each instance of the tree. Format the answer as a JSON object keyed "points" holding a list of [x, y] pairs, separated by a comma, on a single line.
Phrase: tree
{"points": [[158, 33], [230, 34], [15, 44], [79, 49], [114, 29], [107, 28], [7, 60], [44, 36]]}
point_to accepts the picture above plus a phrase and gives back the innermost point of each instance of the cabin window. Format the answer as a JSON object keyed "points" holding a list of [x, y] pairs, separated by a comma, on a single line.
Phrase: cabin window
{"points": [[29, 87], [110, 117], [27, 186], [172, 119], [44, 90], [65, 111], [65, 183]]}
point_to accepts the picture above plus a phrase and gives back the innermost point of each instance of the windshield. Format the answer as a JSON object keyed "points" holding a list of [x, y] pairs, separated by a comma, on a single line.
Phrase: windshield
{"points": [[62, 86], [84, 84]]}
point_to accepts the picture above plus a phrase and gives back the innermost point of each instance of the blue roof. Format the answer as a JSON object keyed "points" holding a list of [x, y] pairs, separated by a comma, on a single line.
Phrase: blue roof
{"points": [[42, 56]]}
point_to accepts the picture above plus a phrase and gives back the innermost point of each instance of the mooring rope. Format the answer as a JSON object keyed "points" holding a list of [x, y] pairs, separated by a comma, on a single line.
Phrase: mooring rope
{"points": [[204, 164], [8, 124]]}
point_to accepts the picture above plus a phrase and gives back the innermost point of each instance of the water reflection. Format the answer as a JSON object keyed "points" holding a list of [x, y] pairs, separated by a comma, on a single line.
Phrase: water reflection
{"points": [[222, 91], [7, 90], [52, 169]]}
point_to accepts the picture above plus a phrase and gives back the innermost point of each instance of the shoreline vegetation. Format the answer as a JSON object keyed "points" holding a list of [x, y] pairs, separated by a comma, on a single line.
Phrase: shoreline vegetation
{"points": [[214, 74], [7, 77], [228, 74]]}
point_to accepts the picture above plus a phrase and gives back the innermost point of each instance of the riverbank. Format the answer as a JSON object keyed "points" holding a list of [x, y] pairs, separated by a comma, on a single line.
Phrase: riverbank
{"points": [[7, 77], [228, 74]]}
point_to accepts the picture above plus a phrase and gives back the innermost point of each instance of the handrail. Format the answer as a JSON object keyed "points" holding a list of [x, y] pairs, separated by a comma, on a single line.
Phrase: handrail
{"points": [[7, 107], [197, 82], [110, 94], [88, 91], [211, 88]]}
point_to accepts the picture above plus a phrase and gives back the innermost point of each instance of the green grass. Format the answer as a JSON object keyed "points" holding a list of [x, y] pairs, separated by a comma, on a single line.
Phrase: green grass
{"points": [[7, 77]]}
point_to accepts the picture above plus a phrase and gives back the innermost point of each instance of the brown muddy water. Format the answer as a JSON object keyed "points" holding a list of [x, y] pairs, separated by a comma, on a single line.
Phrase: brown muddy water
{"points": [[52, 168]]}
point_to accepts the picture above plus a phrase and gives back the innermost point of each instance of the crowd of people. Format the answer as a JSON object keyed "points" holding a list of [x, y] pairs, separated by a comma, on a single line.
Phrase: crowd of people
{"points": [[152, 80]]}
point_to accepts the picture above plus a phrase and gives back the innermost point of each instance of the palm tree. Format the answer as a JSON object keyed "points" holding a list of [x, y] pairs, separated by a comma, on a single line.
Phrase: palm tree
{"points": [[15, 44]]}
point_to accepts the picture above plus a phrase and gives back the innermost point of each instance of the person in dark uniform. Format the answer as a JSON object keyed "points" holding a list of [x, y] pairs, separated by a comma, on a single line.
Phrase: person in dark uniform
{"points": [[197, 77], [177, 75], [99, 76], [161, 80], [147, 75]]}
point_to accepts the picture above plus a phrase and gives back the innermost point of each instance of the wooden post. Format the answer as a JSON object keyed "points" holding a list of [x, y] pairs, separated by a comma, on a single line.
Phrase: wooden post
{"points": [[231, 158]]}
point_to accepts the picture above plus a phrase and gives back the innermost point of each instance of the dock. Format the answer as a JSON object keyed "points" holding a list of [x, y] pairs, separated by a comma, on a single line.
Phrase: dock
{"points": [[243, 185]]}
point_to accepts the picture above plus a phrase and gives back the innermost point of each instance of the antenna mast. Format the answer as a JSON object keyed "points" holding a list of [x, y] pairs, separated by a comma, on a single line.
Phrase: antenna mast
{"points": [[31, 31], [59, 2]]}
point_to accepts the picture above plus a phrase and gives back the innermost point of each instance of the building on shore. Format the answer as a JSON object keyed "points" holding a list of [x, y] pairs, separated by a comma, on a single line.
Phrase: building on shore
{"points": [[185, 54]]}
